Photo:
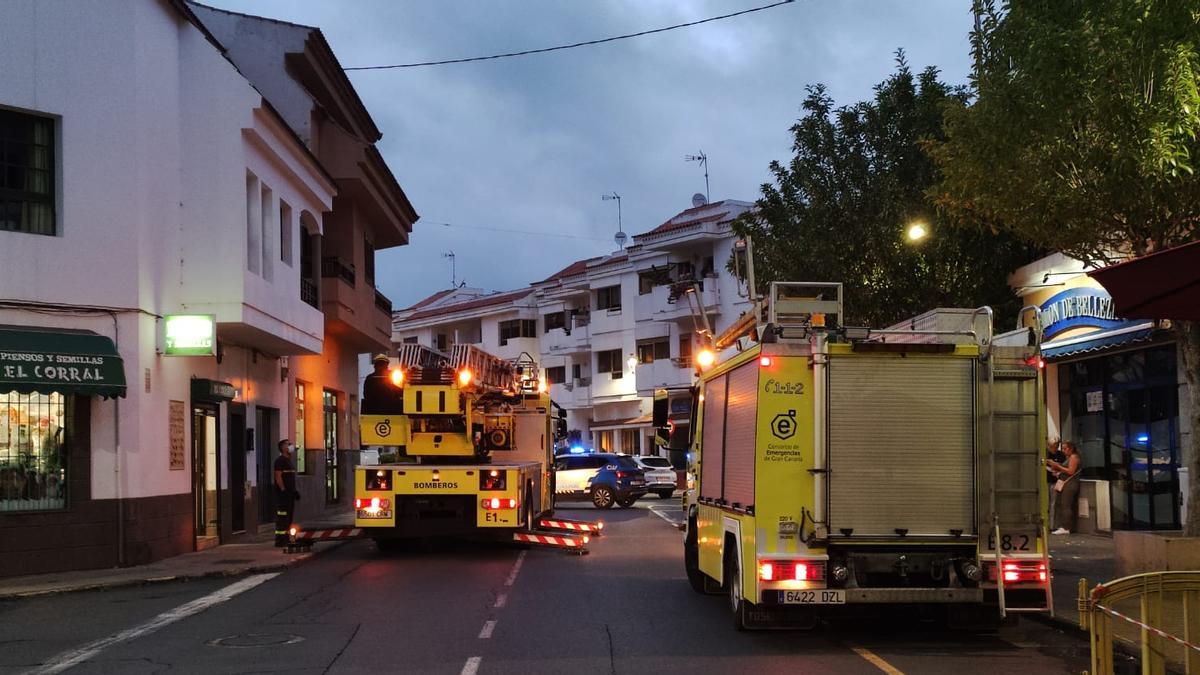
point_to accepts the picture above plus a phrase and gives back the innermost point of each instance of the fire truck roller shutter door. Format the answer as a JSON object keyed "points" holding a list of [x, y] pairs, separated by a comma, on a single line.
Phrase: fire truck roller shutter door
{"points": [[740, 422], [901, 445], [713, 447]]}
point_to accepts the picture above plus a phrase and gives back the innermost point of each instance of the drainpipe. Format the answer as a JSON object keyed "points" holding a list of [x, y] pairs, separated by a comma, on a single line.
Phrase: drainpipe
{"points": [[117, 455]]}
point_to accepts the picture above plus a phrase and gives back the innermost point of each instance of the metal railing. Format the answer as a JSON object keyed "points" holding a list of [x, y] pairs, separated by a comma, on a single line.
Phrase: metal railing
{"points": [[1166, 601], [382, 303], [334, 267], [308, 292]]}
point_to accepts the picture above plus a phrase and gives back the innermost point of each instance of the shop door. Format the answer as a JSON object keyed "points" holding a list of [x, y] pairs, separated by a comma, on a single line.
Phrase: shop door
{"points": [[236, 448], [205, 472], [332, 484], [266, 425], [1143, 433]]}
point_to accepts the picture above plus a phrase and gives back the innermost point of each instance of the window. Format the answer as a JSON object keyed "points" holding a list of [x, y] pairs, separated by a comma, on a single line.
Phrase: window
{"points": [[411, 340], [685, 271], [685, 350], [708, 270], [285, 233], [652, 277], [369, 261], [650, 350], [554, 320], [33, 467], [441, 342], [610, 361], [556, 375], [608, 298], [517, 328], [299, 439], [576, 371], [266, 209], [329, 404], [27, 194], [253, 224], [631, 443]]}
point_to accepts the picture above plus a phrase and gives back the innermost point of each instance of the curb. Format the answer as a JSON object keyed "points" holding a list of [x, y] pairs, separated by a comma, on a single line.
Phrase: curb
{"points": [[292, 561]]}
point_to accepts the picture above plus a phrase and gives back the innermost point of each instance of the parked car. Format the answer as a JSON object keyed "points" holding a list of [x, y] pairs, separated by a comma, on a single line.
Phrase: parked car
{"points": [[602, 478], [660, 477]]}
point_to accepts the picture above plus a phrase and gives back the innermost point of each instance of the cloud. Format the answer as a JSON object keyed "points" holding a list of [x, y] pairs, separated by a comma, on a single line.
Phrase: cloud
{"points": [[532, 142]]}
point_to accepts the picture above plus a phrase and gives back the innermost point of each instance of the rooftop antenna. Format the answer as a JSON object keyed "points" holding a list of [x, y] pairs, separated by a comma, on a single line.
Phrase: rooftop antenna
{"points": [[453, 270], [620, 237], [703, 159]]}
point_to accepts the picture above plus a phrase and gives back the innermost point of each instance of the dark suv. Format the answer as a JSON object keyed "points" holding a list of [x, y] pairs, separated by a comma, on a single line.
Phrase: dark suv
{"points": [[602, 478]]}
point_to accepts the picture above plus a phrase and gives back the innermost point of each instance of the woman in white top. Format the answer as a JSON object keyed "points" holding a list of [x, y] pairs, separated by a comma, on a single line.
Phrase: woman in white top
{"points": [[1067, 487]]}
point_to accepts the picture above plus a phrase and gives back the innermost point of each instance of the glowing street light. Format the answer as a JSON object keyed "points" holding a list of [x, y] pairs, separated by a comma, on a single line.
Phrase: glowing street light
{"points": [[916, 232]]}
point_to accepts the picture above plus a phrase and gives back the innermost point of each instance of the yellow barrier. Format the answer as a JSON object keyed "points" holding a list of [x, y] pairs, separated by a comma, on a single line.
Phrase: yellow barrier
{"points": [[1098, 615]]}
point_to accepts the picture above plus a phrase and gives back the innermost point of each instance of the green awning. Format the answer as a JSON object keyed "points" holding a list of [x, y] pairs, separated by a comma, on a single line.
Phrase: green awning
{"points": [[62, 360]]}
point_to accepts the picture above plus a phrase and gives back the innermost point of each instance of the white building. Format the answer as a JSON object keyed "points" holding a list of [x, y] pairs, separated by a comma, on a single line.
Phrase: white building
{"points": [[607, 331], [145, 177]]}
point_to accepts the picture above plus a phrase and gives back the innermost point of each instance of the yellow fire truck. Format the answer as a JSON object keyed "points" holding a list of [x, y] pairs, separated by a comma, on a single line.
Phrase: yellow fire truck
{"points": [[469, 439], [838, 467]]}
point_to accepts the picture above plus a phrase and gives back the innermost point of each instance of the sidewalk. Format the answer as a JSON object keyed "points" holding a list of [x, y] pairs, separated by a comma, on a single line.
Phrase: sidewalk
{"points": [[1076, 556], [255, 554]]}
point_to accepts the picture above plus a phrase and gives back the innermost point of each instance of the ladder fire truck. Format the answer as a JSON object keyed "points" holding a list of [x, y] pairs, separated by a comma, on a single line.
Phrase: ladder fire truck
{"points": [[841, 467], [469, 443]]}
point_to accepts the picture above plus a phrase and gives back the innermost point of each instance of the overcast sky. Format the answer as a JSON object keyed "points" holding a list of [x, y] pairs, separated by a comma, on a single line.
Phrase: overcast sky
{"points": [[530, 143]]}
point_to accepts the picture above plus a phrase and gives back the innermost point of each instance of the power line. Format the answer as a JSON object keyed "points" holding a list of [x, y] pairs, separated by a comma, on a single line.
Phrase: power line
{"points": [[577, 44], [511, 231]]}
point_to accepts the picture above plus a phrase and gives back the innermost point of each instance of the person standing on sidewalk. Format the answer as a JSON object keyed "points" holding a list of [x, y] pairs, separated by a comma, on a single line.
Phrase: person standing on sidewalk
{"points": [[285, 492], [1067, 487], [1053, 453]]}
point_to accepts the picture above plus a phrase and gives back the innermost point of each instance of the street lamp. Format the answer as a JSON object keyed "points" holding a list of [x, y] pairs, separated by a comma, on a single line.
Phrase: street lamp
{"points": [[916, 232]]}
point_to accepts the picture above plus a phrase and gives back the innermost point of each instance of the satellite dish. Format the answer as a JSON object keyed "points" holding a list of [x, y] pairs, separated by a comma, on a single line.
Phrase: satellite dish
{"points": [[620, 238], [699, 200]]}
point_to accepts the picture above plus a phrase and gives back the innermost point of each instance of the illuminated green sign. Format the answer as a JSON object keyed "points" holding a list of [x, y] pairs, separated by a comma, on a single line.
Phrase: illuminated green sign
{"points": [[190, 335]]}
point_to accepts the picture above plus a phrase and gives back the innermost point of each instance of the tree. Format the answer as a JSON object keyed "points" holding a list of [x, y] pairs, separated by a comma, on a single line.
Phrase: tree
{"points": [[1082, 138], [839, 209]]}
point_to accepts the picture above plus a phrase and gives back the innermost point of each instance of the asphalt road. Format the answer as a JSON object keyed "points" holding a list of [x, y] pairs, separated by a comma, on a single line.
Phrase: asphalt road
{"points": [[458, 607]]}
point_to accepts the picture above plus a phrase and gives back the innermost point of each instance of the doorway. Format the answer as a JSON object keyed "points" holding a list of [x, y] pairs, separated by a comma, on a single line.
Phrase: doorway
{"points": [[206, 467], [236, 457], [266, 426]]}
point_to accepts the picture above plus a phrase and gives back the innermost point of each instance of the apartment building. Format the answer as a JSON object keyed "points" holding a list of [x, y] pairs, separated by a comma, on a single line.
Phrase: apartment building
{"points": [[161, 232], [607, 331]]}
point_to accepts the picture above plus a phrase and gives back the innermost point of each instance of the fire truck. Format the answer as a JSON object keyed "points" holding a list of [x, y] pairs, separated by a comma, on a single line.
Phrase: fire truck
{"points": [[467, 442], [838, 468]]}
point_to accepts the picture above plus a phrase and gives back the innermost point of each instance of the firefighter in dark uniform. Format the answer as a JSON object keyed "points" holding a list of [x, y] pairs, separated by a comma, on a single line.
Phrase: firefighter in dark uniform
{"points": [[380, 395], [285, 492]]}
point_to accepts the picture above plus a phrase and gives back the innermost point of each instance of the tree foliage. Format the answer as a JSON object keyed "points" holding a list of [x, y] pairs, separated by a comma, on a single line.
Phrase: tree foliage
{"points": [[839, 209], [1083, 134]]}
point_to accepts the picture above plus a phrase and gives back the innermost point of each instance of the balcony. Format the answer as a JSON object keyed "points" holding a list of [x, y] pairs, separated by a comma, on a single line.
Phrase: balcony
{"points": [[657, 305], [573, 394], [663, 373], [559, 341], [383, 304], [514, 347], [308, 292], [333, 267], [607, 320]]}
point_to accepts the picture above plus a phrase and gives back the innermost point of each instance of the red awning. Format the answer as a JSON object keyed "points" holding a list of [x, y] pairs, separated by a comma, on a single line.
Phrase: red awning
{"points": [[1162, 285]]}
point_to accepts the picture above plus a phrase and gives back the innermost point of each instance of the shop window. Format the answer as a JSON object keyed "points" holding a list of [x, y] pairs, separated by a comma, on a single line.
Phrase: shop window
{"points": [[329, 405], [33, 467], [610, 361], [648, 351], [27, 192], [631, 441], [556, 375], [554, 320], [604, 441], [517, 328], [608, 298], [299, 439]]}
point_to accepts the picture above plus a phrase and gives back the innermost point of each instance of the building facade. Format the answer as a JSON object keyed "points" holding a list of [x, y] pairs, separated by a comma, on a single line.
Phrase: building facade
{"points": [[160, 235], [607, 331], [1113, 388]]}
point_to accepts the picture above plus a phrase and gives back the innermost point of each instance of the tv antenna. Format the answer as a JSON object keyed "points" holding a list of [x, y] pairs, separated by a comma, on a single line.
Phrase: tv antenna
{"points": [[703, 159], [620, 237], [453, 270]]}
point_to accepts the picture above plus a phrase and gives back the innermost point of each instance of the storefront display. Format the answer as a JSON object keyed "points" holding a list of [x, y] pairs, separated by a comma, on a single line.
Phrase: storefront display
{"points": [[33, 473]]}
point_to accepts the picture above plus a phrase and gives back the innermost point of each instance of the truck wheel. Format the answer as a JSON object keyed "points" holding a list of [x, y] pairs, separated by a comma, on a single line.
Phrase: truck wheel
{"points": [[665, 494], [733, 584], [691, 559], [627, 502], [529, 515], [602, 497]]}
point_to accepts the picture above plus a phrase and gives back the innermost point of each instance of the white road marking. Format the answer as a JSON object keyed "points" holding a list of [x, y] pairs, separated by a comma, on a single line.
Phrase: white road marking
{"points": [[488, 627], [501, 600], [512, 576], [877, 661], [472, 665], [77, 656], [664, 516]]}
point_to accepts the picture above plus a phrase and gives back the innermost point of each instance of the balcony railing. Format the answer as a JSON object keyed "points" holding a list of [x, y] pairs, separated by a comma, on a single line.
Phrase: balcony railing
{"points": [[308, 292], [382, 303], [333, 267]]}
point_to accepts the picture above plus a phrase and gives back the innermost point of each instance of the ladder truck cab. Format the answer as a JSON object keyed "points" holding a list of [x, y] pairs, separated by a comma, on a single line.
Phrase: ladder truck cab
{"points": [[840, 467], [468, 440]]}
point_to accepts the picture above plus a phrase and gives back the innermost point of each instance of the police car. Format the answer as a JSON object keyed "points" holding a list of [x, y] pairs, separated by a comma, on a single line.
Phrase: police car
{"points": [[602, 478]]}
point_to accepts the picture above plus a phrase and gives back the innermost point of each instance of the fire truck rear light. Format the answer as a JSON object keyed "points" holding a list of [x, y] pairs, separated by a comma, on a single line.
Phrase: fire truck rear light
{"points": [[766, 571], [496, 503], [789, 570], [1021, 572], [801, 572]]}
